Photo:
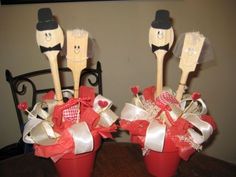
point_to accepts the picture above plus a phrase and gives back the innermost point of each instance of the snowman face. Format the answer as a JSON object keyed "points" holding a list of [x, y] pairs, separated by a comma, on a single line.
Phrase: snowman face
{"points": [[50, 38], [161, 37]]}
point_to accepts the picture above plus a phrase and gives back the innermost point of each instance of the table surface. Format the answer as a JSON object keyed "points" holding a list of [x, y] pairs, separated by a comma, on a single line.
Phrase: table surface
{"points": [[126, 160], [117, 160]]}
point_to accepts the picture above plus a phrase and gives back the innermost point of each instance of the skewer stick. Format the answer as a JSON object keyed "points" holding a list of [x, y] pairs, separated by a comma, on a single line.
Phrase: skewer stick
{"points": [[77, 45], [192, 47]]}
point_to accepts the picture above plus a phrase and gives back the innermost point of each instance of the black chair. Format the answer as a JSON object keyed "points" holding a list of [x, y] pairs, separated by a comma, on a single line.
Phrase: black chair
{"points": [[22, 84]]}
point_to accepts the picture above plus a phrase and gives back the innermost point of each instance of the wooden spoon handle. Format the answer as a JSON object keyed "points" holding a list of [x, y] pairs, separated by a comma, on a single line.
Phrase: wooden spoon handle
{"points": [[159, 83], [76, 78], [181, 88], [55, 75]]}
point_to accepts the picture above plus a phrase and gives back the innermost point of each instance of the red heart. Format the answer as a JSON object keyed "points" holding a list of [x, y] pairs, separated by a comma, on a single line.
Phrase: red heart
{"points": [[102, 103], [135, 90], [195, 96], [23, 106]]}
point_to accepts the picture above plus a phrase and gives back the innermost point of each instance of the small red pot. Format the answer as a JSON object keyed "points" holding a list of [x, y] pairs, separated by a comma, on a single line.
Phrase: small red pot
{"points": [[81, 165], [163, 164]]}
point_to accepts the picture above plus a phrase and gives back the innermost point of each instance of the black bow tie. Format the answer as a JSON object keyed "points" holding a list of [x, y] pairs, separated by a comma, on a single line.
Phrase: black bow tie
{"points": [[46, 49], [164, 47]]}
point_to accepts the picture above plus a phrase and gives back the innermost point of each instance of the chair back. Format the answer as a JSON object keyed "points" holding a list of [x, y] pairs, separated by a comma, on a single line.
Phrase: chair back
{"points": [[25, 85]]}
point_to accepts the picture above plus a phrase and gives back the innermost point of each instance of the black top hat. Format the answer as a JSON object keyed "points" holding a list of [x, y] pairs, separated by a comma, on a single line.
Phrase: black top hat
{"points": [[46, 20], [162, 20]]}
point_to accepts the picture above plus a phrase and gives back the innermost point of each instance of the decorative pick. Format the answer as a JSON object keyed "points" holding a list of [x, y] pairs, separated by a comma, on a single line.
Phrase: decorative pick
{"points": [[191, 50], [77, 45], [161, 37], [195, 96], [23, 106], [136, 100], [50, 39]]}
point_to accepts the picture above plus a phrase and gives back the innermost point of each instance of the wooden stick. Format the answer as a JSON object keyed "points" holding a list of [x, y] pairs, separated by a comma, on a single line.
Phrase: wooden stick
{"points": [[77, 45], [182, 85]]}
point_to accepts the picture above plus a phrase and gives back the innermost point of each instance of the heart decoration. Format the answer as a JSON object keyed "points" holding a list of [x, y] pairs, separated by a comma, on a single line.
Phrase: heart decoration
{"points": [[135, 90], [102, 103], [22, 106], [195, 96]]}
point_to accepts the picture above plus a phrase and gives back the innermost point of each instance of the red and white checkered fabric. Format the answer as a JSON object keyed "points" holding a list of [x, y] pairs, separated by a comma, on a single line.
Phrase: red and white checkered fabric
{"points": [[166, 98], [71, 114]]}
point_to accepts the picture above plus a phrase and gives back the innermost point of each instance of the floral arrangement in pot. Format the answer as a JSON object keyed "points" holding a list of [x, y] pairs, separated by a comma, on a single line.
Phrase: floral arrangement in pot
{"points": [[67, 132], [168, 125]]}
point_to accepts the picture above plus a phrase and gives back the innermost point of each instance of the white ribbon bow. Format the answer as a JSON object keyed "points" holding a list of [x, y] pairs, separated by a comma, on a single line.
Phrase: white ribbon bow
{"points": [[155, 134], [38, 129]]}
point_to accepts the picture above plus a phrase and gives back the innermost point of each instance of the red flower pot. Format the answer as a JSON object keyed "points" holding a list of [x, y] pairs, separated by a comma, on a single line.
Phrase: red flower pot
{"points": [[81, 165], [163, 164]]}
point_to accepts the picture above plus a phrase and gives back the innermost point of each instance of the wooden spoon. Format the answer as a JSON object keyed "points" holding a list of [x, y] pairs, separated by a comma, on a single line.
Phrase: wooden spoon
{"points": [[192, 47], [77, 45], [50, 39], [161, 37]]}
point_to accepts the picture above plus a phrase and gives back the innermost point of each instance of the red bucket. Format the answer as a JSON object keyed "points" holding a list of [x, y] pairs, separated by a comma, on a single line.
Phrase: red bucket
{"points": [[81, 165], [163, 164]]}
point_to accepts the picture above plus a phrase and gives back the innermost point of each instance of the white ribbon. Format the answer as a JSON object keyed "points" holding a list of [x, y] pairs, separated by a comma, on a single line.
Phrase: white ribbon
{"points": [[83, 139], [155, 136], [175, 112], [107, 116], [131, 112], [204, 128], [198, 107], [38, 129]]}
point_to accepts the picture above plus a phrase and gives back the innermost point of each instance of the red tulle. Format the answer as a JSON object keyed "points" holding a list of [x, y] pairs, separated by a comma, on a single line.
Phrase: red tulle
{"points": [[149, 93], [177, 129], [65, 143]]}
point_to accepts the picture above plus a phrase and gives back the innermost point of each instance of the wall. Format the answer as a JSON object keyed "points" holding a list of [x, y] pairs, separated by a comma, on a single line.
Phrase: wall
{"points": [[121, 32]]}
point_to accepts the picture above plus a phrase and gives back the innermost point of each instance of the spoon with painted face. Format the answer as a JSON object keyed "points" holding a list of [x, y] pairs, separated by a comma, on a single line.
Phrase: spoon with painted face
{"points": [[161, 37], [50, 39]]}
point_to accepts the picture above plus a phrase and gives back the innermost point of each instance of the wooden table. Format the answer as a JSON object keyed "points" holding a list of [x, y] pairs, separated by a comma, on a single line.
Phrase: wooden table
{"points": [[125, 160], [117, 160]]}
